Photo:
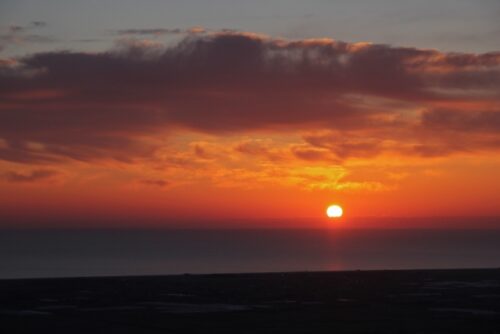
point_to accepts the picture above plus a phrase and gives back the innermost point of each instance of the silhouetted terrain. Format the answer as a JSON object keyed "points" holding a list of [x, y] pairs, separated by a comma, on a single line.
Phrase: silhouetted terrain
{"points": [[419, 301]]}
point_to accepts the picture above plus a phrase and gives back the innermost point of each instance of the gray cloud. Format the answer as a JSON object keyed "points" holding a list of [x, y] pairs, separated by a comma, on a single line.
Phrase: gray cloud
{"points": [[17, 34], [160, 31], [85, 106]]}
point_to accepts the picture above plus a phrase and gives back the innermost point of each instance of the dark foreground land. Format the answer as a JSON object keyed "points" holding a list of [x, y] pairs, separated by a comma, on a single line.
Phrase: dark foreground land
{"points": [[420, 301]]}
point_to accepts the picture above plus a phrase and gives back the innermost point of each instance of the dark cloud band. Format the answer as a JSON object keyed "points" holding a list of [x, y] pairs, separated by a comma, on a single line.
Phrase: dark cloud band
{"points": [[97, 105]]}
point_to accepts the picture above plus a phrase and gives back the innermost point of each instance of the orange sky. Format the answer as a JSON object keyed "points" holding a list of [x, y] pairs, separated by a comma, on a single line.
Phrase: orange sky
{"points": [[227, 125]]}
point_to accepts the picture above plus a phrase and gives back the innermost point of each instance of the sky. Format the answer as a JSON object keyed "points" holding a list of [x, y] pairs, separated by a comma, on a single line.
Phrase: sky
{"points": [[155, 113]]}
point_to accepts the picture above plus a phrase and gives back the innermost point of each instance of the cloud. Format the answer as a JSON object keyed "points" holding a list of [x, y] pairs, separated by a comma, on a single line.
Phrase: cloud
{"points": [[151, 31], [156, 182], [34, 176], [13, 29], [115, 104], [462, 121], [161, 31], [259, 148], [311, 154], [346, 145], [24, 39], [39, 24], [17, 34]]}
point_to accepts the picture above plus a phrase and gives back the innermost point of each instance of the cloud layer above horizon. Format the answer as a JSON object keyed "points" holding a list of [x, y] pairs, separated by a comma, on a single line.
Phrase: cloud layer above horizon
{"points": [[167, 120], [353, 100]]}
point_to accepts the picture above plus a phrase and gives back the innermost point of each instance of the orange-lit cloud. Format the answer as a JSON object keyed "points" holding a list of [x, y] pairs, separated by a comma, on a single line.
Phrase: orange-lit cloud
{"points": [[241, 110], [34, 176], [233, 82]]}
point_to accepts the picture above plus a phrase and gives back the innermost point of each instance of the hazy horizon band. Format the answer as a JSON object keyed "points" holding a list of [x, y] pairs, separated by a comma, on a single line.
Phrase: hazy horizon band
{"points": [[70, 253]]}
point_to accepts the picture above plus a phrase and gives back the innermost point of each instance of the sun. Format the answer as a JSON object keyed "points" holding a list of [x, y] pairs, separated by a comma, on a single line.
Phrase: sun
{"points": [[334, 211]]}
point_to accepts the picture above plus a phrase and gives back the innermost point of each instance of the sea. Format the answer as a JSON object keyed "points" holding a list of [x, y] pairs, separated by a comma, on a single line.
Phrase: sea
{"points": [[37, 253]]}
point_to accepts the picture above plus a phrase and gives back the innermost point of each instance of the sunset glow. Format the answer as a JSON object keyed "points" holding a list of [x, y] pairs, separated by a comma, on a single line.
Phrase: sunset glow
{"points": [[232, 166], [144, 122]]}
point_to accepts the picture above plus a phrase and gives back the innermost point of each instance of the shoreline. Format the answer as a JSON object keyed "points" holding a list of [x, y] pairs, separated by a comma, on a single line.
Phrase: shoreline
{"points": [[248, 273]]}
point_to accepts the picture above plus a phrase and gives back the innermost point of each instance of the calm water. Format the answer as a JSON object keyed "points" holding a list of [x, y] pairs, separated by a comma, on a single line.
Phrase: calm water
{"points": [[89, 253]]}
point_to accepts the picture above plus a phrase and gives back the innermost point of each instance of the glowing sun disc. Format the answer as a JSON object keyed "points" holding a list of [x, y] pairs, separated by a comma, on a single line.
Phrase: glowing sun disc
{"points": [[334, 211]]}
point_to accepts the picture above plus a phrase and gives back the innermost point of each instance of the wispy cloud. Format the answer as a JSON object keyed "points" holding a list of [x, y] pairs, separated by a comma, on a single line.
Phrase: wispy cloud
{"points": [[33, 176], [155, 182], [24, 34], [161, 31]]}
